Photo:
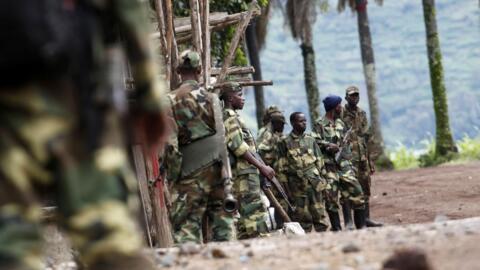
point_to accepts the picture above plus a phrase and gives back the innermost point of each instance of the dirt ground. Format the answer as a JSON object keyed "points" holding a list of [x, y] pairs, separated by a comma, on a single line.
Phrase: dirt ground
{"points": [[435, 210], [419, 195]]}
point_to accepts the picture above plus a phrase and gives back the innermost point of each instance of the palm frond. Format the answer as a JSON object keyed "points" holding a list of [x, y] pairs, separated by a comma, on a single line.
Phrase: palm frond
{"points": [[301, 15], [261, 25]]}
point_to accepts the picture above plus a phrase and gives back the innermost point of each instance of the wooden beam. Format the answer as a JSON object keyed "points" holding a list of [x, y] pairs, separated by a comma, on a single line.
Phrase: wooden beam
{"points": [[234, 71], [160, 14], [196, 27], [244, 83], [236, 40]]}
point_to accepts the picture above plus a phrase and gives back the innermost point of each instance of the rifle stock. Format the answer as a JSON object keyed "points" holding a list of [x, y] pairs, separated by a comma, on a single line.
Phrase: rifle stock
{"points": [[341, 150]]}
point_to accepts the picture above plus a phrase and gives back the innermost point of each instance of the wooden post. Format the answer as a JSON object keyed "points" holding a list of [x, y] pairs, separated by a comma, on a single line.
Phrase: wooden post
{"points": [[171, 46], [206, 42], [235, 40], [196, 27], [160, 14]]}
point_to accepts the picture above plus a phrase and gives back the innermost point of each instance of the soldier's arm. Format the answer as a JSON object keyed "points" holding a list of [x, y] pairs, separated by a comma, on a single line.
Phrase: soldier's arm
{"points": [[265, 145], [240, 148], [281, 166]]}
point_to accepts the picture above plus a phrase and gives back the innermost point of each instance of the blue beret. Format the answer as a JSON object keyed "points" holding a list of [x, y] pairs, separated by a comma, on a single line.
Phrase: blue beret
{"points": [[331, 101]]}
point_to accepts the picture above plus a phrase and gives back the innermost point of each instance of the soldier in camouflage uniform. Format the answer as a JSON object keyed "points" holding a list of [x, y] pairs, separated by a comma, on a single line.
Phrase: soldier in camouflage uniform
{"points": [[300, 166], [329, 132], [356, 118], [245, 167], [267, 149], [193, 164], [62, 133], [267, 123]]}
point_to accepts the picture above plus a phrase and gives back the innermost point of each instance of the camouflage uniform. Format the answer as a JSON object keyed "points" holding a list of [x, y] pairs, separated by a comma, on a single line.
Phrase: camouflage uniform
{"points": [[199, 191], [340, 176], [51, 141], [246, 177], [300, 168], [357, 120], [267, 123]]}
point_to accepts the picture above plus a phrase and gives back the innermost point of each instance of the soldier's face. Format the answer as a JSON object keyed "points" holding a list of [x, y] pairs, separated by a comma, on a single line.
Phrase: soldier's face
{"points": [[300, 123], [238, 101], [353, 99], [278, 125]]}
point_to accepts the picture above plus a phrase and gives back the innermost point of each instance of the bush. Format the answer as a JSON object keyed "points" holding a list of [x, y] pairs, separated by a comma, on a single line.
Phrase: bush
{"points": [[403, 158], [469, 148]]}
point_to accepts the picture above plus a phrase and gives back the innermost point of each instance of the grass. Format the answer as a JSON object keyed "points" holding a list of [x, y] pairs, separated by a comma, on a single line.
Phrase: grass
{"points": [[404, 158]]}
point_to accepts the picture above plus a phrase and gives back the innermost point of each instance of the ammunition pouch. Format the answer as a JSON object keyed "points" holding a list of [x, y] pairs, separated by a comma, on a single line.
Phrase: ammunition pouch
{"points": [[200, 154]]}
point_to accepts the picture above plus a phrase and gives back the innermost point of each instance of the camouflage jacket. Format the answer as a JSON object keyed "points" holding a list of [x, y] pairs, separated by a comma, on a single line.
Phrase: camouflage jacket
{"points": [[239, 141], [267, 145], [261, 132], [357, 120], [191, 117], [326, 132], [300, 160]]}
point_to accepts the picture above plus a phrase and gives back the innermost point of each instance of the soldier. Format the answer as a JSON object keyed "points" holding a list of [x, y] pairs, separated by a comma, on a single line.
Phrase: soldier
{"points": [[301, 164], [245, 167], [267, 149], [330, 133], [198, 182], [60, 130], [356, 118], [267, 125]]}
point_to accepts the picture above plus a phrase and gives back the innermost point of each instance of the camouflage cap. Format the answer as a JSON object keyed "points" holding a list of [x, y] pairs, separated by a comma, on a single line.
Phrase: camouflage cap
{"points": [[189, 60], [272, 109], [351, 90], [277, 116], [230, 87]]}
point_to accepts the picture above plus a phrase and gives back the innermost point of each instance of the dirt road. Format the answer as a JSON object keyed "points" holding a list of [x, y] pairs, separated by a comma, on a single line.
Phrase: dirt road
{"points": [[419, 195]]}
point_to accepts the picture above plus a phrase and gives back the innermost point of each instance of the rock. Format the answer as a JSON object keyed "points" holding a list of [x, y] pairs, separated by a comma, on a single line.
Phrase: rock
{"points": [[168, 260], [218, 253], [250, 253], [244, 259], [384, 194], [349, 248], [408, 259], [440, 218], [322, 266], [293, 229], [359, 259], [189, 248]]}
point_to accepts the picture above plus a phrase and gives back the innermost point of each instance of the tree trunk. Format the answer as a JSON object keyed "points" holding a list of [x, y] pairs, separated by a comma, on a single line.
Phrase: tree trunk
{"points": [[310, 75], [254, 57], [368, 61], [444, 138]]}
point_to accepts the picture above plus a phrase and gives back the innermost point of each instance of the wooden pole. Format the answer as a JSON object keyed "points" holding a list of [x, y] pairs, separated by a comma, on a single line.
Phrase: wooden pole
{"points": [[234, 71], [171, 46], [160, 14], [235, 41], [206, 42], [196, 27]]}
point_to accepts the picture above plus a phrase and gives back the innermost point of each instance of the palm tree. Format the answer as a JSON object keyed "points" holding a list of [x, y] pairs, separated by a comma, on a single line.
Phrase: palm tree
{"points": [[368, 61], [444, 139], [301, 15]]}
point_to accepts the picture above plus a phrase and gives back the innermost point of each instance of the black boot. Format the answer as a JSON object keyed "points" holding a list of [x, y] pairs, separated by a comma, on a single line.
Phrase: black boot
{"points": [[368, 221], [347, 215], [359, 218], [334, 221]]}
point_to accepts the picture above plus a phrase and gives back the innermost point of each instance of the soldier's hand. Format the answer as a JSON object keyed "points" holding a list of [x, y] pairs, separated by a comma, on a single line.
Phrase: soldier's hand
{"points": [[333, 148], [372, 167], [267, 171]]}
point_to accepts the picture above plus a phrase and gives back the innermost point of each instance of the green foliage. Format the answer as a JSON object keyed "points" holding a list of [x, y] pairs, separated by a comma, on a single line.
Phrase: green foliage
{"points": [[431, 158], [404, 158], [469, 148]]}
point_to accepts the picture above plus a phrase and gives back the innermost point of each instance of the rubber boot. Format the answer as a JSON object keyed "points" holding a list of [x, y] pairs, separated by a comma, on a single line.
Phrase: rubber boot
{"points": [[334, 221], [347, 216], [368, 221], [359, 218]]}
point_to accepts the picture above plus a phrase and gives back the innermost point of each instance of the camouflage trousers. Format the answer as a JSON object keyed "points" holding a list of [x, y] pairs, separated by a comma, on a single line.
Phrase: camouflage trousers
{"points": [[197, 195], [362, 171], [253, 214], [309, 206], [44, 148], [342, 180]]}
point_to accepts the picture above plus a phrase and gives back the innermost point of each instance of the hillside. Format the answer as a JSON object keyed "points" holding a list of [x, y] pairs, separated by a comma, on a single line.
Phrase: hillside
{"points": [[402, 69]]}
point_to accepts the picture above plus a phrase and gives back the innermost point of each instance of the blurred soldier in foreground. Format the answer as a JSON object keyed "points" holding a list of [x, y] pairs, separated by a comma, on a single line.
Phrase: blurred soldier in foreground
{"points": [[331, 136], [245, 167], [267, 123], [194, 153], [61, 131], [356, 119], [301, 163]]}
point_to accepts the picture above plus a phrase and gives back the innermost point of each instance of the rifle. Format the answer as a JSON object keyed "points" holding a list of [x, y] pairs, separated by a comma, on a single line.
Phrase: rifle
{"points": [[276, 183], [343, 146], [230, 204]]}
